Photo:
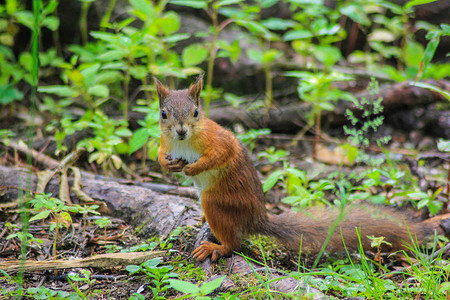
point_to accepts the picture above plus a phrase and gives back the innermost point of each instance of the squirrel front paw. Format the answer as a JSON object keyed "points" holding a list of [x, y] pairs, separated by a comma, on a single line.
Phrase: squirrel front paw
{"points": [[175, 165], [190, 170]]}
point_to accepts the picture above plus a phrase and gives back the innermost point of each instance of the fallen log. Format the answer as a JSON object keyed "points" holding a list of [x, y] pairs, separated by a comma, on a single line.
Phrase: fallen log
{"points": [[398, 97], [153, 213]]}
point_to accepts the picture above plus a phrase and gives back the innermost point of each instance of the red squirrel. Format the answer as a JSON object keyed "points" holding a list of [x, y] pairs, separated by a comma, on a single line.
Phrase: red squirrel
{"points": [[231, 193]]}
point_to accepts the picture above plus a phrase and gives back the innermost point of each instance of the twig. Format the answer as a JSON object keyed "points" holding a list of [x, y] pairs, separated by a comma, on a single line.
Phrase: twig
{"points": [[442, 250], [98, 261], [40, 157]]}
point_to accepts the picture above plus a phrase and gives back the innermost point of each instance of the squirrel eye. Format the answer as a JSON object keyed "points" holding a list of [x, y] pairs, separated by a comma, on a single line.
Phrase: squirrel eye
{"points": [[196, 113], [164, 115]]}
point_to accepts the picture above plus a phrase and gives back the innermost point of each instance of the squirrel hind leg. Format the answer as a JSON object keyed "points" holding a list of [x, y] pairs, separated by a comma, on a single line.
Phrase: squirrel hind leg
{"points": [[229, 242], [207, 249]]}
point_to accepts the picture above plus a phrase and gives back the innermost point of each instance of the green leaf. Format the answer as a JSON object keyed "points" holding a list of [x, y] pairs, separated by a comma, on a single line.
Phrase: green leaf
{"points": [[138, 139], [173, 38], [90, 72], [26, 18], [255, 55], [227, 2], [111, 55], [194, 54], [51, 7], [209, 287], [153, 147], [107, 77], [123, 132], [138, 72], [133, 269], [51, 22], [292, 200], [267, 3], [298, 173], [42, 215], [429, 52], [445, 29], [356, 12], [272, 180], [169, 23], [105, 36], [298, 74], [99, 90], [256, 28], [9, 94], [143, 9], [413, 53], [420, 195], [297, 35], [417, 2], [60, 90], [184, 287], [66, 217], [328, 55], [277, 23], [270, 55], [434, 88], [191, 3], [434, 207]]}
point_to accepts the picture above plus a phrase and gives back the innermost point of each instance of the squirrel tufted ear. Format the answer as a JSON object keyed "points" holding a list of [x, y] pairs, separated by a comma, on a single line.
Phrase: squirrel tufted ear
{"points": [[196, 88], [161, 90]]}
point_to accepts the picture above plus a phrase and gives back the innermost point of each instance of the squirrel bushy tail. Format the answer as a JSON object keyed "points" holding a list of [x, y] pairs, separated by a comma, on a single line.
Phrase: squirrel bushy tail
{"points": [[310, 229]]}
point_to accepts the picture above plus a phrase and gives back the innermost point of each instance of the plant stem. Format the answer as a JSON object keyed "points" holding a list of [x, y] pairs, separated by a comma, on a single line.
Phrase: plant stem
{"points": [[125, 96], [212, 57], [317, 133], [105, 20], [56, 237], [83, 21], [268, 74]]}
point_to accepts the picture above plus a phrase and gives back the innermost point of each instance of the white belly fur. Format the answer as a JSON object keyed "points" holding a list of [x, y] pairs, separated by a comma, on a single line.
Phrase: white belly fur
{"points": [[182, 149]]}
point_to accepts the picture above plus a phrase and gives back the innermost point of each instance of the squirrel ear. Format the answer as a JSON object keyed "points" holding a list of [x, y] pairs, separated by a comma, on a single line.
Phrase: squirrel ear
{"points": [[161, 90], [195, 89]]}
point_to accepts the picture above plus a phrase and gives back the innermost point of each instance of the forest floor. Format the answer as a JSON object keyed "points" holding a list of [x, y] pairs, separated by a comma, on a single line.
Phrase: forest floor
{"points": [[89, 237]]}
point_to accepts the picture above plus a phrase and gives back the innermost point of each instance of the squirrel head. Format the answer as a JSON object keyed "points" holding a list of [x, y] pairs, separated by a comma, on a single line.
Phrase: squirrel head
{"points": [[180, 114]]}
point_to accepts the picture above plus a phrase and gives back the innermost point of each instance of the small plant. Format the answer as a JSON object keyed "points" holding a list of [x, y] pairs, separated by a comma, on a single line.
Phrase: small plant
{"points": [[317, 89], [24, 237], [249, 137], [85, 210], [377, 242], [84, 278], [142, 247], [57, 209], [366, 123], [301, 192], [104, 222], [191, 290], [38, 293], [159, 275], [273, 155]]}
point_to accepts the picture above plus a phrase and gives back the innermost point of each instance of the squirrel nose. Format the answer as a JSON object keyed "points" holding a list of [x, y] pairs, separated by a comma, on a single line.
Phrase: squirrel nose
{"points": [[181, 132]]}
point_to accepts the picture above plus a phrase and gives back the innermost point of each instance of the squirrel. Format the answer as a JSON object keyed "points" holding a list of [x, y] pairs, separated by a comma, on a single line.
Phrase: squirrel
{"points": [[231, 193]]}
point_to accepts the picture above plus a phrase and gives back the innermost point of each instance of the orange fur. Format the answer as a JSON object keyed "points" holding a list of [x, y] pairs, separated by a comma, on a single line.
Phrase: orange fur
{"points": [[231, 192]]}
